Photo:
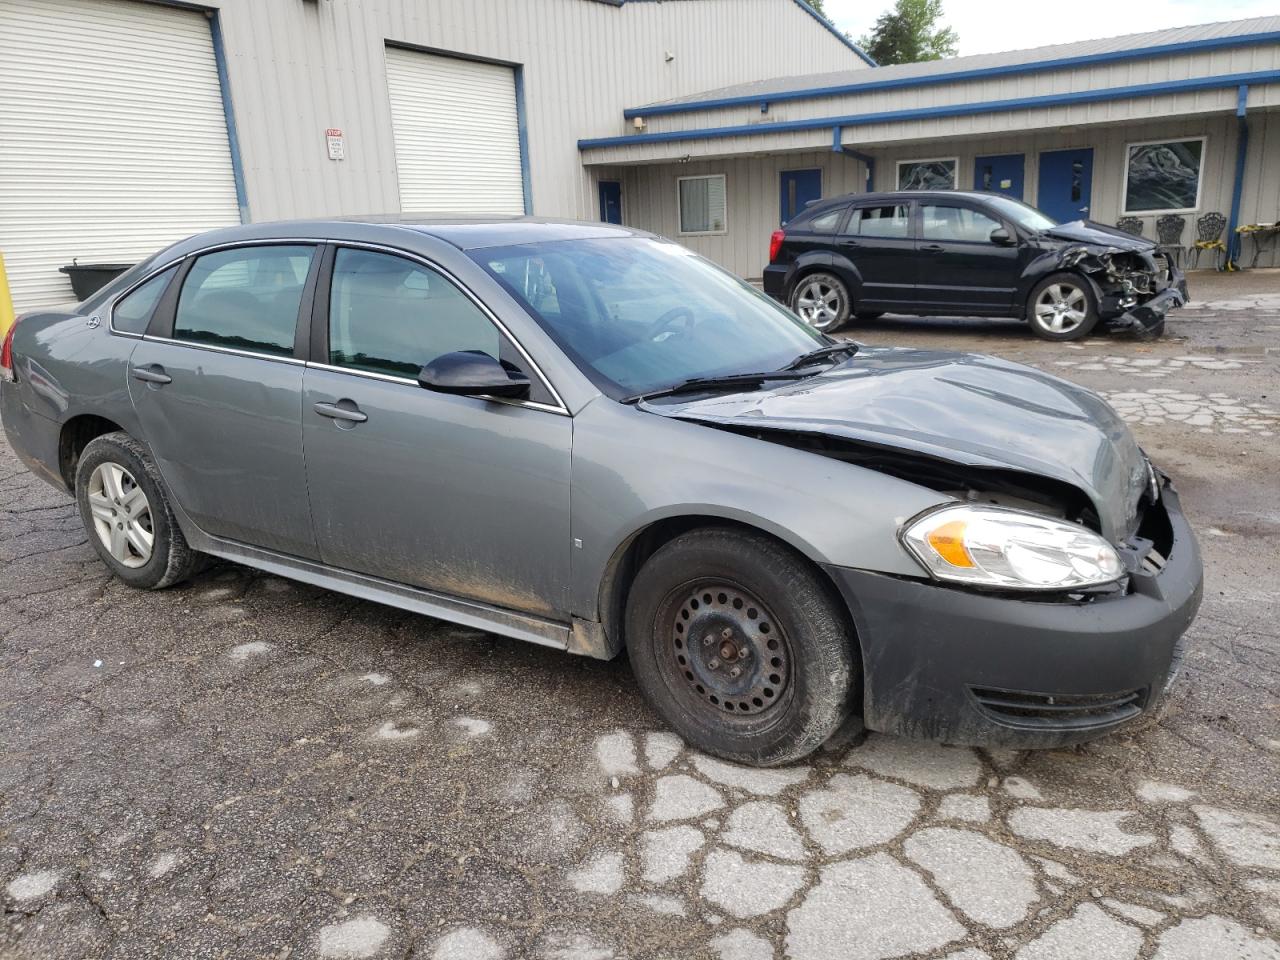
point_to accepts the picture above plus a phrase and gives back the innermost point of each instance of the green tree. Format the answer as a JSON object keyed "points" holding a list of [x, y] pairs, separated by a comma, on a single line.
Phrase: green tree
{"points": [[817, 5], [910, 32]]}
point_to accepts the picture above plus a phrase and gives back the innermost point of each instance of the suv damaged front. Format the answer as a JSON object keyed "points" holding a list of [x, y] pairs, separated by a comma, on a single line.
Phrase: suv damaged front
{"points": [[1136, 283]]}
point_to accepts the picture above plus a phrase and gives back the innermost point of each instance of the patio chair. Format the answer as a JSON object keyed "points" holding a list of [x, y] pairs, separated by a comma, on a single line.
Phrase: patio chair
{"points": [[1209, 237], [1131, 225], [1169, 234]]}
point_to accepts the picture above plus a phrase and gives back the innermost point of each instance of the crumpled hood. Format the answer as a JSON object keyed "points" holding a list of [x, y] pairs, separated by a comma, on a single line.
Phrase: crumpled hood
{"points": [[1082, 231], [964, 408]]}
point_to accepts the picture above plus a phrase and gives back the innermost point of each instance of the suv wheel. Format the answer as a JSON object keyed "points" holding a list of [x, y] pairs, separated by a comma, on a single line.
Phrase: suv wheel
{"points": [[822, 301], [127, 514], [738, 645], [1062, 307]]}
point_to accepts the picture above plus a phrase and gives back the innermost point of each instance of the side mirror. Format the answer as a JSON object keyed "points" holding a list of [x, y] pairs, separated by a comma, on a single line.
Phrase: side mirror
{"points": [[472, 373], [1000, 236]]}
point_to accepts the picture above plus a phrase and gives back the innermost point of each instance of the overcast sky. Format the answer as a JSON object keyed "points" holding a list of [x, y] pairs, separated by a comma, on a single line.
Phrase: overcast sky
{"points": [[985, 26]]}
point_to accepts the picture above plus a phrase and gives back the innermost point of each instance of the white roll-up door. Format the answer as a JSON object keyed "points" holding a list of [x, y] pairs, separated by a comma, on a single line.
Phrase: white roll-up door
{"points": [[113, 139], [457, 134]]}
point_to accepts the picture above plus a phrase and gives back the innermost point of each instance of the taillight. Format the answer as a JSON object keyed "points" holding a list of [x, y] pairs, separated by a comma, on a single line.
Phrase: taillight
{"points": [[6, 354], [775, 245]]}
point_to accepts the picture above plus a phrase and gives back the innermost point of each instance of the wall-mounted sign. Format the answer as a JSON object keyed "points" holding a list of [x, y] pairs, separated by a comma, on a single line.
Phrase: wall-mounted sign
{"points": [[337, 144]]}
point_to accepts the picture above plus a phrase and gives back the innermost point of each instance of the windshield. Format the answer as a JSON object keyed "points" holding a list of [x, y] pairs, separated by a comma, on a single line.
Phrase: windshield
{"points": [[638, 315], [1025, 216]]}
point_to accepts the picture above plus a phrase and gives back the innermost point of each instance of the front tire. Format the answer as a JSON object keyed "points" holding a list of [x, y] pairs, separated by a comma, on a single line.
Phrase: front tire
{"points": [[736, 642], [127, 514], [822, 301], [1062, 306]]}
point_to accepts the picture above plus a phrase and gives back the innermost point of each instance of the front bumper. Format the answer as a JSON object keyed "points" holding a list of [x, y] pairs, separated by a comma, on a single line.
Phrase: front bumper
{"points": [[966, 667], [1146, 320]]}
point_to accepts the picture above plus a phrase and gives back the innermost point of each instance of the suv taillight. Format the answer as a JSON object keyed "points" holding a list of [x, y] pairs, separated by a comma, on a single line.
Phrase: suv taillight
{"points": [[775, 245], [6, 354]]}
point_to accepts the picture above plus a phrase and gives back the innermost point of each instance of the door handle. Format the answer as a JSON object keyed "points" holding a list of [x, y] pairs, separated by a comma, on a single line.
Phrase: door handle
{"points": [[152, 373], [334, 411], [933, 247]]}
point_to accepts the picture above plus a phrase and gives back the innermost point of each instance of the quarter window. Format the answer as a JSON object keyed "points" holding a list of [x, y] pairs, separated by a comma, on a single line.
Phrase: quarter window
{"points": [[890, 220], [955, 223], [1163, 176], [245, 298], [393, 316], [133, 313], [825, 223], [702, 204]]}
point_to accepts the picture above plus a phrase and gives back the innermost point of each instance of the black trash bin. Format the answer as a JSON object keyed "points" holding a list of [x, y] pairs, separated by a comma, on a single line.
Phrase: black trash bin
{"points": [[88, 278]]}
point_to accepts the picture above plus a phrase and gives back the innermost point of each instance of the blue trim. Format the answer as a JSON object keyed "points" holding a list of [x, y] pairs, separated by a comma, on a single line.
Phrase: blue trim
{"points": [[233, 139], [1009, 70], [952, 110], [836, 33], [1242, 149], [522, 131]]}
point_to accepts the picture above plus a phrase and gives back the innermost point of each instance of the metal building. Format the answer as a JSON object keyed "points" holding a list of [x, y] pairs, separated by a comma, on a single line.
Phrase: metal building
{"points": [[128, 124]]}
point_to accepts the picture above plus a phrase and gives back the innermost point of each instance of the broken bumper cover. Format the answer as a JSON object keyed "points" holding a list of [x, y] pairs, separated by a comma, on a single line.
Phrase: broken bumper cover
{"points": [[981, 669], [1146, 320]]}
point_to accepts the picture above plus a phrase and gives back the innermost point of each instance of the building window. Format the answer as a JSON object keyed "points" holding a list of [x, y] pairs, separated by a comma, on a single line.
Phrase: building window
{"points": [[1163, 176], [927, 174], [702, 204]]}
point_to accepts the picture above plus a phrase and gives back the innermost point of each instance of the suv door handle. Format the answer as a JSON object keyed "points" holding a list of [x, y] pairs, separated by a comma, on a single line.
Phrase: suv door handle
{"points": [[349, 414], [152, 373], [933, 247]]}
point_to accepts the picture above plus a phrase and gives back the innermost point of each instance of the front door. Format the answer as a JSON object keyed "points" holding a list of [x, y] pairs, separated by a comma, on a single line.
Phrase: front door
{"points": [[799, 188], [878, 241], [962, 271], [610, 201], [460, 495], [1001, 174], [1066, 184], [218, 390]]}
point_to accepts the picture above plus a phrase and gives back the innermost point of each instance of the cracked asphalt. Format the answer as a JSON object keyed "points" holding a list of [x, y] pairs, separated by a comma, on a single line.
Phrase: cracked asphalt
{"points": [[246, 767]]}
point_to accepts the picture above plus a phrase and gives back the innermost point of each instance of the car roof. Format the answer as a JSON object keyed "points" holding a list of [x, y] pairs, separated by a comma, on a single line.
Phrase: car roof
{"points": [[892, 195]]}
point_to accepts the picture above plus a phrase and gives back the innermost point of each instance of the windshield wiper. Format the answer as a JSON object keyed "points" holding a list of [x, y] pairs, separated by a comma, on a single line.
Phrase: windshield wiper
{"points": [[700, 384], [813, 356]]}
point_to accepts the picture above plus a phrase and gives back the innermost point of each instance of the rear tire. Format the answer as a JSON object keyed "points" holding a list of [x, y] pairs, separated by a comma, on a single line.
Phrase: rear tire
{"points": [[1062, 306], [822, 301], [740, 646], [127, 515]]}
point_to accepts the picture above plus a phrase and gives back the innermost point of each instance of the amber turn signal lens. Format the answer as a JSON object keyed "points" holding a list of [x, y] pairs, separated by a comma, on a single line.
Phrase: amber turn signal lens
{"points": [[948, 541]]}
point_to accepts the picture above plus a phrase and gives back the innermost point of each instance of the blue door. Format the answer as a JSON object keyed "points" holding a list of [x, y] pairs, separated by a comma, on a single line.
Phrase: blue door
{"points": [[1001, 174], [799, 187], [611, 201], [1066, 184]]}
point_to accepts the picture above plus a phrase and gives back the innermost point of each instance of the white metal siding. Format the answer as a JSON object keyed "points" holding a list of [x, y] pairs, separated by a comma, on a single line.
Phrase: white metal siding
{"points": [[113, 141], [456, 134]]}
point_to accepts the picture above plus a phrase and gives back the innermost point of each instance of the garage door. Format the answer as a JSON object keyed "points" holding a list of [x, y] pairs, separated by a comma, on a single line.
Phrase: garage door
{"points": [[113, 140], [457, 134]]}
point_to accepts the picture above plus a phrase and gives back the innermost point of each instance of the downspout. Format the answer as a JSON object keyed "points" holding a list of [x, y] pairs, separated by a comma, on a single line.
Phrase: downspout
{"points": [[228, 112], [837, 146], [1242, 149]]}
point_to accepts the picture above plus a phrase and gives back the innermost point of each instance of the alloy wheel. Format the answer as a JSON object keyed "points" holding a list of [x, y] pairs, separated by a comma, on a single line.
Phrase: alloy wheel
{"points": [[819, 304], [1061, 307], [121, 515]]}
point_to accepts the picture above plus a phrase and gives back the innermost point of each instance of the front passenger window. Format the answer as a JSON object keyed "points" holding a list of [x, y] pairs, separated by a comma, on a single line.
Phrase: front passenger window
{"points": [[942, 222], [391, 315]]}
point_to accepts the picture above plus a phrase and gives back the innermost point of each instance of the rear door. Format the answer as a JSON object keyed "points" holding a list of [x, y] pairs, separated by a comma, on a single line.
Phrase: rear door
{"points": [[217, 386], [961, 269], [877, 239], [461, 495]]}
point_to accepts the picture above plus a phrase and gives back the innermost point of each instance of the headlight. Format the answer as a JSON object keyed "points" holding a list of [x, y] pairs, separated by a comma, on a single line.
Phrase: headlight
{"points": [[999, 547]]}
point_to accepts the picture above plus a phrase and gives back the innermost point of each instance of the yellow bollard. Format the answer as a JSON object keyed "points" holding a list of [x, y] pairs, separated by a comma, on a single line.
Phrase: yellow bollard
{"points": [[6, 301]]}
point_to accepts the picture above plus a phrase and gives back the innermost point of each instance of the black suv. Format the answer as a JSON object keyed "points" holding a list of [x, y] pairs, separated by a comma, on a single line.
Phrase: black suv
{"points": [[950, 253]]}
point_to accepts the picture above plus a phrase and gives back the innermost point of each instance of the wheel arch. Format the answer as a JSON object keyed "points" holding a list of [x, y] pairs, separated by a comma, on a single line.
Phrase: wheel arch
{"points": [[76, 434], [825, 261]]}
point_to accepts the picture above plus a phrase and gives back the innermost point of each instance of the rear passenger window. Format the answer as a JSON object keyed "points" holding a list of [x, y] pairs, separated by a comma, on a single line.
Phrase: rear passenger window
{"points": [[827, 222], [391, 315], [245, 299], [891, 220], [133, 313]]}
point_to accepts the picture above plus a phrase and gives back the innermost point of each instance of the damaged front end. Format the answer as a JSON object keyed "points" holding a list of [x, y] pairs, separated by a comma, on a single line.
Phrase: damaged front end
{"points": [[1134, 289]]}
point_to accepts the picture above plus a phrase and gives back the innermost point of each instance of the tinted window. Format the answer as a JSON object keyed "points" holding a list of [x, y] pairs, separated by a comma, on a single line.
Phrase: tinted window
{"points": [[391, 315], [826, 222], [890, 220], [246, 298], [133, 313], [955, 223]]}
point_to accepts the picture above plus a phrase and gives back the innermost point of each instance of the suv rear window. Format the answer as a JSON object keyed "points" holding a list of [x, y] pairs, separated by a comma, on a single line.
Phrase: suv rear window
{"points": [[888, 220]]}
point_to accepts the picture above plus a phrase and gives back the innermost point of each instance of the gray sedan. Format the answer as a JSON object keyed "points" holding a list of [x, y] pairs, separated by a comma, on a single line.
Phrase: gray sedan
{"points": [[588, 437]]}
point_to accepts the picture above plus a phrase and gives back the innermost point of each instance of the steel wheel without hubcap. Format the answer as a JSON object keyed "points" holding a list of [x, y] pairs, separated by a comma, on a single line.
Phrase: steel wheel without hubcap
{"points": [[121, 514], [726, 651], [818, 303], [1061, 307]]}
